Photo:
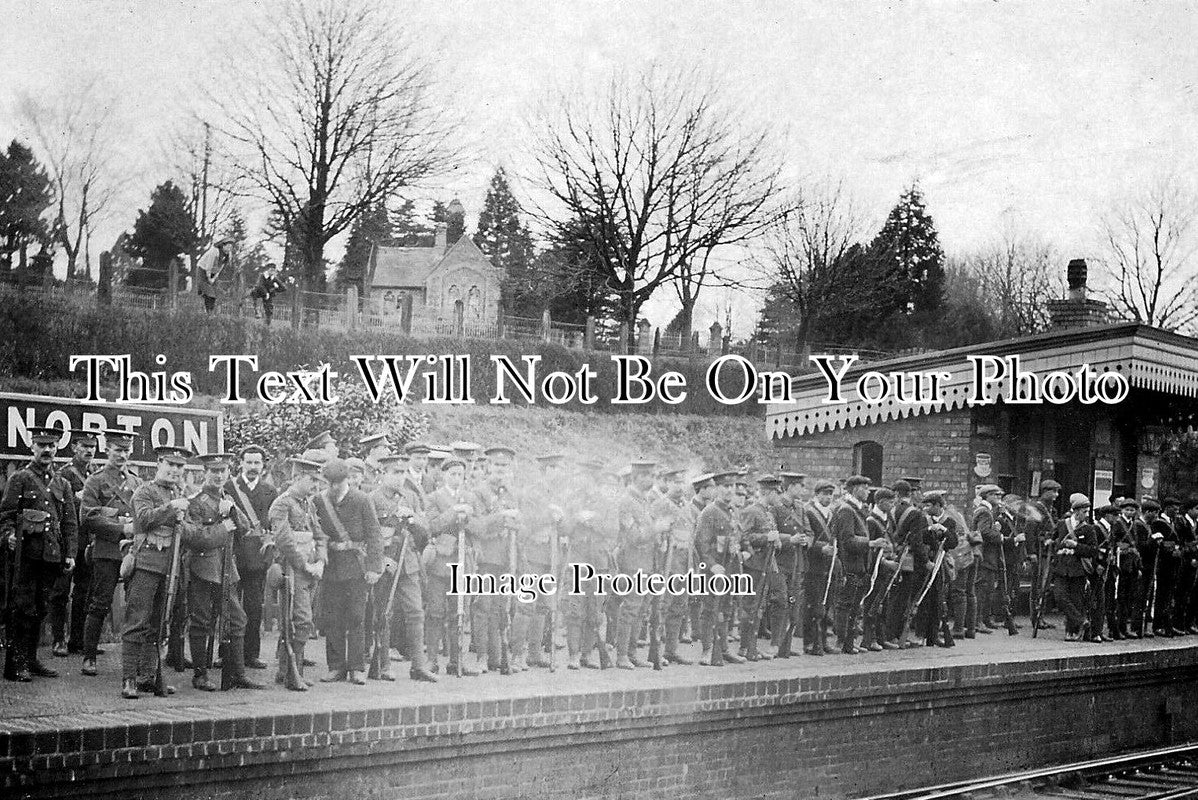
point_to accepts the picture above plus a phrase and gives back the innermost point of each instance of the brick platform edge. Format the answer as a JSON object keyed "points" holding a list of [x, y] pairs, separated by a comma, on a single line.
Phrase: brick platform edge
{"points": [[829, 736]]}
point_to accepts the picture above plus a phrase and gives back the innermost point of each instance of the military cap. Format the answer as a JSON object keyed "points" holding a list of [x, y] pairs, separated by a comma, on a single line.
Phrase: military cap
{"points": [[883, 494], [173, 455], [304, 466], [437, 456], [935, 496], [391, 458], [85, 436], [119, 437], [373, 440], [356, 465], [642, 465], [769, 480], [740, 478], [45, 435], [857, 480], [551, 460], [320, 441], [1109, 508], [724, 478], [251, 448], [989, 488], [463, 449], [415, 448], [334, 470], [1078, 501], [913, 482], [1128, 502], [824, 486], [701, 481], [792, 477], [215, 460], [1150, 505], [1049, 485], [499, 450], [671, 472], [314, 454]]}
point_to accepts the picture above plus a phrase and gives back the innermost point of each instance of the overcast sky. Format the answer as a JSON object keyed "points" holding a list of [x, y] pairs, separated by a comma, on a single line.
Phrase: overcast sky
{"points": [[1034, 115]]}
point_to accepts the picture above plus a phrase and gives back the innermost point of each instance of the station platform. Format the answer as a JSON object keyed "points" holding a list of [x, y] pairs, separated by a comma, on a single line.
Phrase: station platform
{"points": [[837, 726]]}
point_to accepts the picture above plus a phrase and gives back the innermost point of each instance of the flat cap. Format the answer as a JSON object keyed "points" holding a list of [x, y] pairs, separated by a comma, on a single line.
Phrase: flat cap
{"points": [[857, 480], [824, 486], [1049, 485], [912, 481], [883, 494], [1109, 508], [935, 496], [1078, 501], [335, 470], [988, 488], [1128, 502], [1150, 505]]}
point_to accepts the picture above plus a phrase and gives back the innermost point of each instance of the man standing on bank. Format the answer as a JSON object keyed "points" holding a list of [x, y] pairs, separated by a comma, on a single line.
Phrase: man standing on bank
{"points": [[347, 518], [209, 267], [106, 514], [70, 590], [39, 528], [253, 497]]}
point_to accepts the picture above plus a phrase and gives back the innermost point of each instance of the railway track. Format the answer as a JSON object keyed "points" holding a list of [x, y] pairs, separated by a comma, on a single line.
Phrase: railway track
{"points": [[1169, 773]]}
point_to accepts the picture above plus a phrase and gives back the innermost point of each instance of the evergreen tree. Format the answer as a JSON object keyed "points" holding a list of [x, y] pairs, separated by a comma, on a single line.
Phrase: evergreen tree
{"points": [[909, 259], [505, 240], [25, 194], [408, 228], [370, 229], [163, 232], [453, 217]]}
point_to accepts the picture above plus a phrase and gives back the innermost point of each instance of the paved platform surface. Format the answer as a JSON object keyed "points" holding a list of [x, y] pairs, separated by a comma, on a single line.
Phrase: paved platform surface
{"points": [[97, 700]]}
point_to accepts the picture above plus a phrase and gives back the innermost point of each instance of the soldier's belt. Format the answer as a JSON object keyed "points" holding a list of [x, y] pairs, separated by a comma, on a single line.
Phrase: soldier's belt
{"points": [[343, 546], [155, 541]]}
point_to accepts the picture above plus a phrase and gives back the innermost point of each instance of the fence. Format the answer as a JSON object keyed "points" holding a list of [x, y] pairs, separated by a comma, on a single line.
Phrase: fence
{"points": [[317, 310]]}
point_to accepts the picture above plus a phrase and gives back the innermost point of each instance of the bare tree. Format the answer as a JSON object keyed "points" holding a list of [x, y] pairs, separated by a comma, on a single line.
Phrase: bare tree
{"points": [[811, 258], [663, 171], [1018, 274], [329, 110], [1149, 243], [193, 152], [76, 134]]}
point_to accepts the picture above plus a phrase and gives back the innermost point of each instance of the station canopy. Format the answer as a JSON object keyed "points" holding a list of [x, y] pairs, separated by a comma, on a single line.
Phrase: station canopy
{"points": [[1160, 367]]}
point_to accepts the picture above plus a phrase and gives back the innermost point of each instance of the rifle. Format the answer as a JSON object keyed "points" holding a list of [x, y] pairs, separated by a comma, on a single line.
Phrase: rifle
{"points": [[378, 655], [461, 604], [12, 572], [1150, 606], [291, 674], [873, 582], [1002, 566], [222, 625], [932, 576], [505, 622], [890, 584], [172, 588], [759, 608], [831, 570], [1038, 610], [655, 620]]}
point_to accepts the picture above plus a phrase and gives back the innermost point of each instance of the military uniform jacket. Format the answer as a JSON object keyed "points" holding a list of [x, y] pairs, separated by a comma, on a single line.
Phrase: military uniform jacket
{"points": [[298, 539], [716, 541], [679, 539], [360, 548], [594, 542], [106, 506], [414, 530], [1129, 555], [791, 519], [757, 523], [985, 523], [257, 512], [206, 543], [820, 562], [910, 531], [155, 524], [1071, 562], [849, 529], [439, 514], [77, 474], [39, 506], [640, 533], [490, 529]]}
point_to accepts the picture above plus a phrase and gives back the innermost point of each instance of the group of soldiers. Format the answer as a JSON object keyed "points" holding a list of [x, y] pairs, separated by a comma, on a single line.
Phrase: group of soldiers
{"points": [[362, 550]]}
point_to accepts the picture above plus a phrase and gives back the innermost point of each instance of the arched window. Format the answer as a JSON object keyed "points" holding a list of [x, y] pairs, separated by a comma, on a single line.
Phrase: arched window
{"points": [[389, 303], [474, 303], [867, 461]]}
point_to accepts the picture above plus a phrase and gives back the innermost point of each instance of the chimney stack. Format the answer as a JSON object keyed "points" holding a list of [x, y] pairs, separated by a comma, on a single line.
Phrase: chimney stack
{"points": [[1076, 310]]}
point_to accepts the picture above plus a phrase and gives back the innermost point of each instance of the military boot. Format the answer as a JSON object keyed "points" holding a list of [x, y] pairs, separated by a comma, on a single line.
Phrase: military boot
{"points": [[624, 634], [235, 660], [536, 638]]}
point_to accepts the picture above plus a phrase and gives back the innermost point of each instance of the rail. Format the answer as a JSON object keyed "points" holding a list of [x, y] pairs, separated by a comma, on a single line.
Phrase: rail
{"points": [[1169, 773]]}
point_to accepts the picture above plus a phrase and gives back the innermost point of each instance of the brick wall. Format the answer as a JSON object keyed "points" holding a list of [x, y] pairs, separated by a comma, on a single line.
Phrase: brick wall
{"points": [[831, 736], [935, 447]]}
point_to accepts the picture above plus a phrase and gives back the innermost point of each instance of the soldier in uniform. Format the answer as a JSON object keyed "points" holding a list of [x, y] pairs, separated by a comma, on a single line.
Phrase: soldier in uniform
{"points": [[963, 598], [790, 516], [994, 600], [1130, 527], [1120, 571], [374, 447], [1161, 555], [347, 518], [759, 535], [404, 535], [716, 547], [254, 497], [640, 534], [106, 514], [1043, 531], [357, 473], [591, 541], [1076, 544], [941, 534], [493, 532], [160, 524], [301, 548], [824, 572], [39, 528], [71, 587], [544, 517], [1186, 612], [212, 588], [857, 551], [321, 448], [677, 557], [879, 523], [910, 527], [448, 512]]}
